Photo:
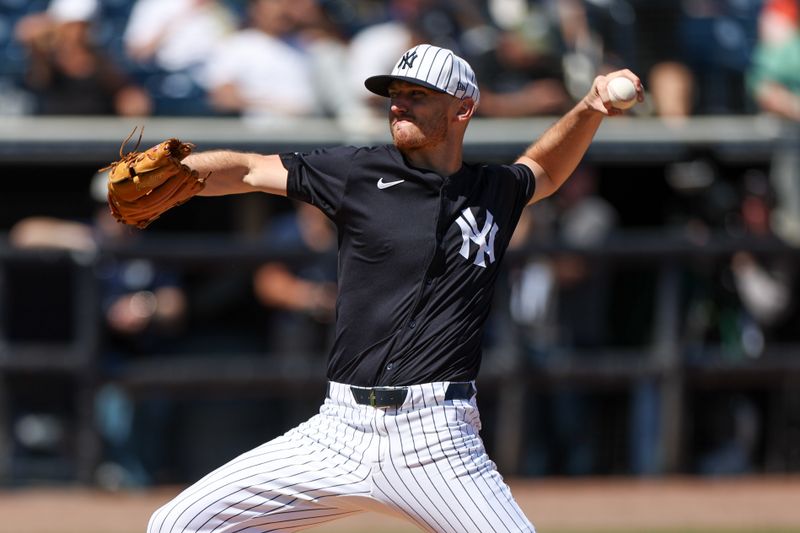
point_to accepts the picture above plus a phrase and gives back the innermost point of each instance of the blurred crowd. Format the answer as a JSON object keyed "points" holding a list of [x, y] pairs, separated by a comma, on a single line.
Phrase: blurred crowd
{"points": [[266, 58]]}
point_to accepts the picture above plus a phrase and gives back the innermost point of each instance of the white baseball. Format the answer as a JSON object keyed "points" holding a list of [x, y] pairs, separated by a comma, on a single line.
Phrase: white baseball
{"points": [[622, 92]]}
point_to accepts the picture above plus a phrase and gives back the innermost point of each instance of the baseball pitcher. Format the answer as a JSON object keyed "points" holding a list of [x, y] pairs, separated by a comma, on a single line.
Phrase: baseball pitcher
{"points": [[421, 238]]}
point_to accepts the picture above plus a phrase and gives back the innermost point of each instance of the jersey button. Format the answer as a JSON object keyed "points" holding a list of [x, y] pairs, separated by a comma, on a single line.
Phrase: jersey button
{"points": [[390, 366], [412, 324]]}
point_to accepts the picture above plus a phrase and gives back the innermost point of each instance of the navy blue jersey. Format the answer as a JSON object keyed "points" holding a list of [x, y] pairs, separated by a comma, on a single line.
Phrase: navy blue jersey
{"points": [[419, 255]]}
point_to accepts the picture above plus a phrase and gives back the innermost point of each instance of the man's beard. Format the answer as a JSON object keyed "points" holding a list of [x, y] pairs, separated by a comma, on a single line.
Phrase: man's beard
{"points": [[415, 135]]}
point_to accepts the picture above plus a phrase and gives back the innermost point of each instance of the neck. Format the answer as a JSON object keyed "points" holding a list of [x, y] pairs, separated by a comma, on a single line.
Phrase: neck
{"points": [[445, 158]]}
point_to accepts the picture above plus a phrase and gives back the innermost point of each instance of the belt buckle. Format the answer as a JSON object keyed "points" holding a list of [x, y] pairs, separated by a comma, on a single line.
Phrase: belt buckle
{"points": [[380, 397], [372, 398]]}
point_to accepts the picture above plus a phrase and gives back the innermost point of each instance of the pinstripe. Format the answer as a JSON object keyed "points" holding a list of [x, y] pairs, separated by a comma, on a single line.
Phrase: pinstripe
{"points": [[420, 412], [433, 66], [280, 492], [255, 525], [285, 517], [456, 476], [410, 470], [283, 510], [450, 72], [431, 412], [281, 466], [204, 484], [483, 468], [295, 481], [240, 488], [401, 507], [405, 504], [457, 80], [472, 455], [305, 525], [432, 63], [501, 487], [441, 79], [441, 474]]}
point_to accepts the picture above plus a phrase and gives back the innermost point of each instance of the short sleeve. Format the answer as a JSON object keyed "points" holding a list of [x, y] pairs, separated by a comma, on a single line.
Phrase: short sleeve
{"points": [[526, 182], [319, 177]]}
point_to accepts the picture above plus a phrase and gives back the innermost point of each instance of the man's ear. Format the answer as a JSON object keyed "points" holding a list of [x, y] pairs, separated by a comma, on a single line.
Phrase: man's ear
{"points": [[466, 108]]}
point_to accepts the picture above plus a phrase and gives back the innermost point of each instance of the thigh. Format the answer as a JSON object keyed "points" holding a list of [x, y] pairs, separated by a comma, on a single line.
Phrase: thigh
{"points": [[290, 483], [437, 471]]}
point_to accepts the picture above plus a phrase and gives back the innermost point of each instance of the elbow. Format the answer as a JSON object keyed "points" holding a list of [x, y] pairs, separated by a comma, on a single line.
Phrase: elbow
{"points": [[545, 186]]}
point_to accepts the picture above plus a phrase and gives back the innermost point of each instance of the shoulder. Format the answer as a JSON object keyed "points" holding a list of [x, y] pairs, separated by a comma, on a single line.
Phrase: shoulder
{"points": [[515, 179], [334, 160], [514, 172], [351, 153]]}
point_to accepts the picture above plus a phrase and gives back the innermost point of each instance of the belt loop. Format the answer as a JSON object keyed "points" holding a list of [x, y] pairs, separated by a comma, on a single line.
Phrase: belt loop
{"points": [[460, 391]]}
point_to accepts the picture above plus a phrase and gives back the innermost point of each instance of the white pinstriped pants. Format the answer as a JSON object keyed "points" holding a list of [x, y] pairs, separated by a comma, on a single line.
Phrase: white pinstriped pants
{"points": [[423, 461]]}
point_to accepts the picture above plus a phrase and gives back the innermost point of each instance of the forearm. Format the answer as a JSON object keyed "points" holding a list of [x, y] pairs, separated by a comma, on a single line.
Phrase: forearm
{"points": [[232, 172], [560, 149]]}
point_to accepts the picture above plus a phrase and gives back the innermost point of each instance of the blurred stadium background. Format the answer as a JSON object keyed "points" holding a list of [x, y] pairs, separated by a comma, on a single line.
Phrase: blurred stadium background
{"points": [[646, 327]]}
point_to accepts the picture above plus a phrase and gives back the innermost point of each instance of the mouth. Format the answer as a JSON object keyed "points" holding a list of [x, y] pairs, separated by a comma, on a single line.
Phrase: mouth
{"points": [[405, 118], [402, 124]]}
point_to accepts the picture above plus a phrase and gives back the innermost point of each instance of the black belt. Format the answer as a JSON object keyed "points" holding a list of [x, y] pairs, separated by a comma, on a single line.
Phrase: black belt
{"points": [[396, 396]]}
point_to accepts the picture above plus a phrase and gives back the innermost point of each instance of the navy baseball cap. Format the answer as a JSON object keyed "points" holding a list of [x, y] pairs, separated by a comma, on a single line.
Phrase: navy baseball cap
{"points": [[432, 67]]}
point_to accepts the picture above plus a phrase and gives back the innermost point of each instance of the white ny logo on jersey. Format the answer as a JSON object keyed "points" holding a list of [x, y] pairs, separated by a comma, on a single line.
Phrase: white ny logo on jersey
{"points": [[484, 237]]}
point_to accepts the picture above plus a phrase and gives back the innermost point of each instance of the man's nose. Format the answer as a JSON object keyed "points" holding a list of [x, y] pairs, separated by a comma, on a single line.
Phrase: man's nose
{"points": [[398, 105]]}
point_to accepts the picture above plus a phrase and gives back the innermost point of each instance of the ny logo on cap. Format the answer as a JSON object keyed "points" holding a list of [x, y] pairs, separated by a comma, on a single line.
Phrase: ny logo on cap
{"points": [[407, 61]]}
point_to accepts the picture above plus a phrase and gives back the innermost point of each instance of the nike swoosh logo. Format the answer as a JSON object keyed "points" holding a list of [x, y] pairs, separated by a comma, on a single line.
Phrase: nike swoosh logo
{"points": [[386, 184]]}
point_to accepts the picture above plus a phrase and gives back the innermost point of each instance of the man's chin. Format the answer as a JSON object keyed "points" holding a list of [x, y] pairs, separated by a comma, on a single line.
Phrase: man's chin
{"points": [[409, 136], [407, 140]]}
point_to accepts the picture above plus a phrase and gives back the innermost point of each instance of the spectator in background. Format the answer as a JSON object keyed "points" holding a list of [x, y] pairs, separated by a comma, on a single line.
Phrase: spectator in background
{"points": [[598, 37], [699, 60], [262, 71], [324, 39], [67, 74], [559, 303], [765, 286], [170, 42], [774, 75], [375, 48], [774, 83], [752, 308], [301, 296], [520, 78], [521, 67], [177, 35], [144, 307], [744, 305]]}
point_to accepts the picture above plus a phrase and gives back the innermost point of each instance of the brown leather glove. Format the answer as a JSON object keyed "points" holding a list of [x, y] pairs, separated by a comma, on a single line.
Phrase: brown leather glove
{"points": [[143, 185]]}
